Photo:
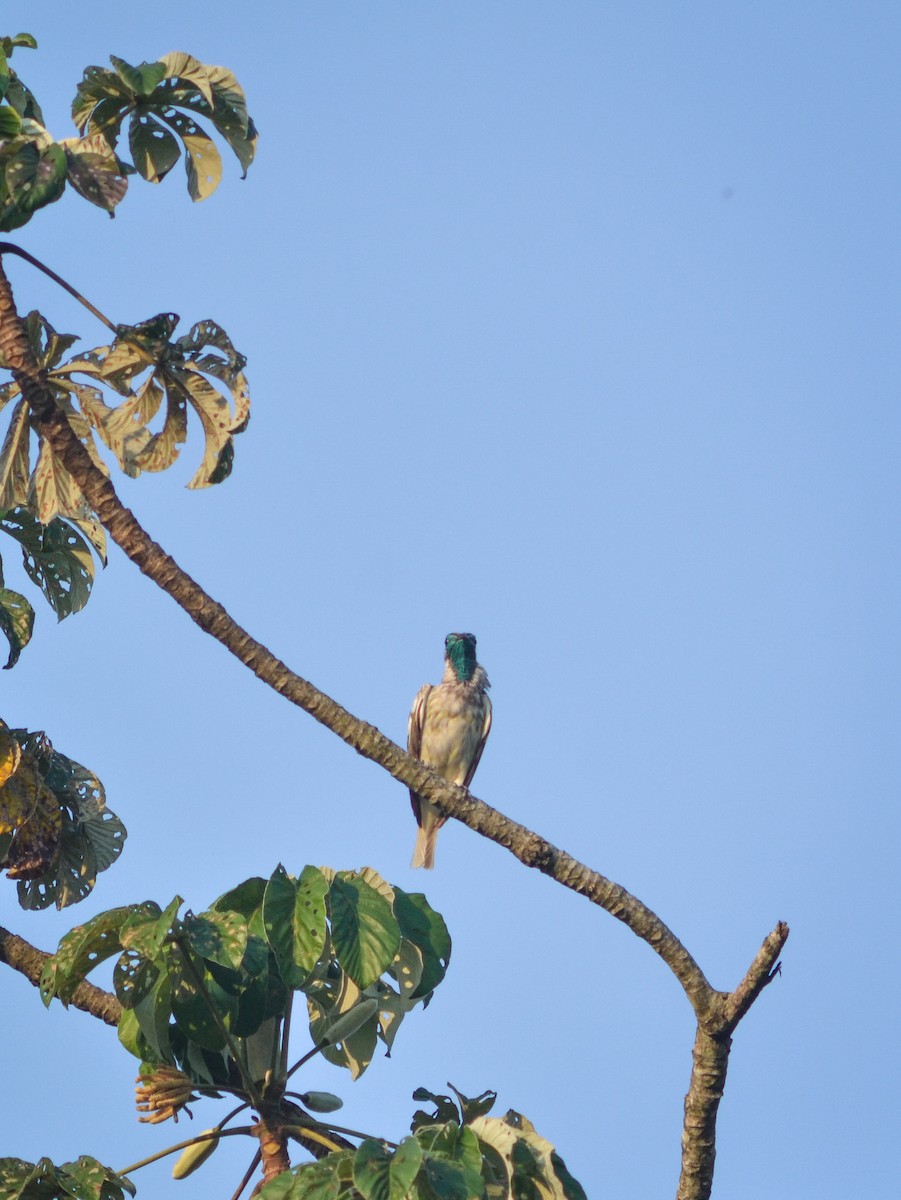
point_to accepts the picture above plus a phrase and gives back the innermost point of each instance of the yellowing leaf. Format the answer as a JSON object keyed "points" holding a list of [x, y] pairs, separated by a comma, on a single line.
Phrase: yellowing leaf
{"points": [[10, 756]]}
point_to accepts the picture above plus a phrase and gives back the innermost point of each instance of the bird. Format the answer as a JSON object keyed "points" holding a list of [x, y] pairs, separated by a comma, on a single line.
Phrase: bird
{"points": [[449, 723]]}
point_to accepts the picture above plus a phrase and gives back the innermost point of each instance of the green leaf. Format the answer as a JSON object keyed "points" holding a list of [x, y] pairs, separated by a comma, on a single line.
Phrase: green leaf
{"points": [[219, 937], [425, 928], [316, 1181], [445, 1109], [148, 929], [21, 39], [247, 900], [35, 176], [133, 978], [154, 149], [140, 80], [192, 1012], [152, 1015], [294, 920], [474, 1106], [85, 1179], [16, 623], [94, 171], [452, 1161], [57, 559], [380, 1174], [101, 102], [23, 100], [365, 934], [10, 121], [80, 951]]}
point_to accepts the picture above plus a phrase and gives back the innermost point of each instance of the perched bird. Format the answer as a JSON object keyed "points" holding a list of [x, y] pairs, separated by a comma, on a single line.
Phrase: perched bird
{"points": [[448, 725]]}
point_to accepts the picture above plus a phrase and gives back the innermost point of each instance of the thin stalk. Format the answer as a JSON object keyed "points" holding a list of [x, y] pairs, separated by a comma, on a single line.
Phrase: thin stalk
{"points": [[12, 248], [340, 1128], [306, 1058], [248, 1175], [202, 1137], [282, 1070]]}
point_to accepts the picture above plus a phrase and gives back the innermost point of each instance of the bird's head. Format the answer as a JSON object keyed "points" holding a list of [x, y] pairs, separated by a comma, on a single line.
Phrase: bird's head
{"points": [[460, 652]]}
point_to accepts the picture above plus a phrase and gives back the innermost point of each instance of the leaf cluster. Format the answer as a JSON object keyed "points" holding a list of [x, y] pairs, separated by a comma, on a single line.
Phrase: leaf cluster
{"points": [[471, 1156], [157, 101], [56, 833], [84, 1179], [43, 507], [201, 992]]}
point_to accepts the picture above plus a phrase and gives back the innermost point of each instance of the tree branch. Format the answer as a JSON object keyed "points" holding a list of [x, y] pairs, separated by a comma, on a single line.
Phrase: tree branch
{"points": [[717, 1013], [29, 961]]}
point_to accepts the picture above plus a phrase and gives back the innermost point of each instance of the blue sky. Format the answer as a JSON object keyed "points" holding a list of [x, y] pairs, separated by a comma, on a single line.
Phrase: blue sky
{"points": [[575, 325]]}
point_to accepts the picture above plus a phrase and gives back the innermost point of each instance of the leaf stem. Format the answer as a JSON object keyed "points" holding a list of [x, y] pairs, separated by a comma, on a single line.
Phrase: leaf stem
{"points": [[248, 1175], [12, 248], [201, 1137], [306, 1058], [282, 1068]]}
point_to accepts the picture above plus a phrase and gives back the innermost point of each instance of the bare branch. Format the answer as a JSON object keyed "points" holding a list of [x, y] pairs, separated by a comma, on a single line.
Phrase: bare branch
{"points": [[762, 971]]}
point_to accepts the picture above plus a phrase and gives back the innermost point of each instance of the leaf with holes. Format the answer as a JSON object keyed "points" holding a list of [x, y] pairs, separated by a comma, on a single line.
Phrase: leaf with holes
{"points": [[154, 150], [80, 951], [85, 1179], [159, 98], [16, 623], [35, 844], [94, 171], [218, 937], [35, 176], [57, 559], [425, 928]]}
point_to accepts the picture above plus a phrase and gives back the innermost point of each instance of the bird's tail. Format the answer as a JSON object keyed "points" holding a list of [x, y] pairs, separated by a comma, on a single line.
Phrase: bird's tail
{"points": [[429, 824]]}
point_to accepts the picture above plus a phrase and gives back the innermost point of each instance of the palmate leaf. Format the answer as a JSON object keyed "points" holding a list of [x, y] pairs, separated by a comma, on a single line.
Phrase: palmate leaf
{"points": [[16, 94], [69, 836], [532, 1165], [84, 1179], [94, 171], [153, 98], [56, 556], [147, 367]]}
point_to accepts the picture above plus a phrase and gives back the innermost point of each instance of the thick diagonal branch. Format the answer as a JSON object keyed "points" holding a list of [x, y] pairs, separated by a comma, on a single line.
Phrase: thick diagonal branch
{"points": [[717, 1013], [128, 534]]}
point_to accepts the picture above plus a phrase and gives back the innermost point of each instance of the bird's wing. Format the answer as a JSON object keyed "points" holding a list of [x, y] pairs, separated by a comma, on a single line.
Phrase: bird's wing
{"points": [[415, 727], [486, 729]]}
